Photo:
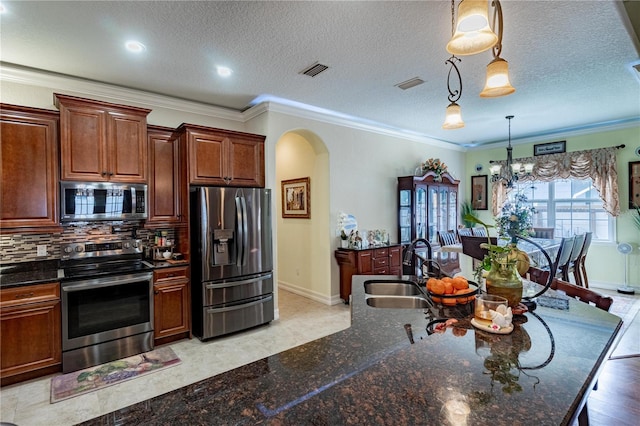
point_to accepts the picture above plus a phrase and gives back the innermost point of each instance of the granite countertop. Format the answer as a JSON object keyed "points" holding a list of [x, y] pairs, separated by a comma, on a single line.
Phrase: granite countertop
{"points": [[371, 373], [28, 273]]}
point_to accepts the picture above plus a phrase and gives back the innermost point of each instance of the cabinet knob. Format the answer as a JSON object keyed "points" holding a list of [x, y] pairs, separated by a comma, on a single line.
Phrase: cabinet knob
{"points": [[156, 292], [104, 173]]}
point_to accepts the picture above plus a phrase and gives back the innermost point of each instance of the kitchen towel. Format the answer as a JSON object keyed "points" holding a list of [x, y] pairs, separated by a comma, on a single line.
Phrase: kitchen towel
{"points": [[80, 382]]}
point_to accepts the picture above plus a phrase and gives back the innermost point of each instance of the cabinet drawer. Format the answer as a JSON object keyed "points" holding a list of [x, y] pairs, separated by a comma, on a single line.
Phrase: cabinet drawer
{"points": [[170, 273], [29, 294], [381, 262], [381, 271], [381, 252]]}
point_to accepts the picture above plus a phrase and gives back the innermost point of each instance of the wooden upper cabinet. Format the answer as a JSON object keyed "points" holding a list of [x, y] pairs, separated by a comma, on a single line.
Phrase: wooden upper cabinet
{"points": [[100, 141], [223, 157], [168, 188], [28, 169]]}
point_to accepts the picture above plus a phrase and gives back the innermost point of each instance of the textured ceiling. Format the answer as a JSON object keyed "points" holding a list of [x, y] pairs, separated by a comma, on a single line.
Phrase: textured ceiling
{"points": [[570, 61]]}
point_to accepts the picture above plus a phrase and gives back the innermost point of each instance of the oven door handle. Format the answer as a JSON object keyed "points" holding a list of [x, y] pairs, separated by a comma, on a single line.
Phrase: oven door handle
{"points": [[227, 284], [105, 282], [240, 306]]}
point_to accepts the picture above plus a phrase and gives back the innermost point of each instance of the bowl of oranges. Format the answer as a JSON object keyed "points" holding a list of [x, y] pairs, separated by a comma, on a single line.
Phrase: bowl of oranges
{"points": [[451, 291]]}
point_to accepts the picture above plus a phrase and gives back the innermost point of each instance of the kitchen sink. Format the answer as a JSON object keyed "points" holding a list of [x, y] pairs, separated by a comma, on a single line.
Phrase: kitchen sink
{"points": [[398, 302], [392, 288]]}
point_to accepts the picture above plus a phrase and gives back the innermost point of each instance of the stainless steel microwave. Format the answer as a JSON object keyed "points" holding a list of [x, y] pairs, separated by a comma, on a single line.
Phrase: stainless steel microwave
{"points": [[88, 201]]}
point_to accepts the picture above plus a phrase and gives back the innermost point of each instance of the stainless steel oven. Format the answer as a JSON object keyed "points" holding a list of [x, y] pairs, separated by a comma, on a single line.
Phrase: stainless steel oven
{"points": [[107, 304]]}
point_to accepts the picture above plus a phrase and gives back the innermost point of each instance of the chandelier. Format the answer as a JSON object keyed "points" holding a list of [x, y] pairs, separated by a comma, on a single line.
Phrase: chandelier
{"points": [[513, 171]]}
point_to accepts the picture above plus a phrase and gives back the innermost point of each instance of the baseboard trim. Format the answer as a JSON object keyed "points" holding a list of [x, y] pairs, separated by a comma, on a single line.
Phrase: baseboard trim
{"points": [[310, 294]]}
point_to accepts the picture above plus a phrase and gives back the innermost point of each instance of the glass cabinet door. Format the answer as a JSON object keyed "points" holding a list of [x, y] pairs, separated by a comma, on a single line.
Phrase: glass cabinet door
{"points": [[421, 212], [453, 209], [405, 216], [433, 214]]}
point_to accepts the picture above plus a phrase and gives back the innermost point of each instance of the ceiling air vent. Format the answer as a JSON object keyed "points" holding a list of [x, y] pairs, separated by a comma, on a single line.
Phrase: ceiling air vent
{"points": [[412, 82], [314, 69]]}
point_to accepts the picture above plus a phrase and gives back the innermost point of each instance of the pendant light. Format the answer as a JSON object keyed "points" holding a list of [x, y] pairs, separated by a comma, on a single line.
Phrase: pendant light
{"points": [[472, 34], [497, 81], [453, 114]]}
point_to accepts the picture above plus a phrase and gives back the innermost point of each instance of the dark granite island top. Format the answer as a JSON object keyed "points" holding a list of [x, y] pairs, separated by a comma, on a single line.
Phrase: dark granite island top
{"points": [[372, 374]]}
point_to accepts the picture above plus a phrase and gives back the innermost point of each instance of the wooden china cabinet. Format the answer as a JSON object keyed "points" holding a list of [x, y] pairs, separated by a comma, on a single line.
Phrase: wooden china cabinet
{"points": [[426, 205]]}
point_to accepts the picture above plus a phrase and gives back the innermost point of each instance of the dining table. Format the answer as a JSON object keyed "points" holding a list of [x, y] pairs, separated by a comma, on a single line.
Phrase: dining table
{"points": [[393, 366]]}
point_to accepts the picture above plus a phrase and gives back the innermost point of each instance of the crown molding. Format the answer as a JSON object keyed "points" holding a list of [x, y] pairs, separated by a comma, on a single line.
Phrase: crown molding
{"points": [[110, 92], [563, 133], [267, 103]]}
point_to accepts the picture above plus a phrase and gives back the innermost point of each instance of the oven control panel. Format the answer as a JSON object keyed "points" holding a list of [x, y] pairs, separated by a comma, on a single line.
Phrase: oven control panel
{"points": [[100, 248]]}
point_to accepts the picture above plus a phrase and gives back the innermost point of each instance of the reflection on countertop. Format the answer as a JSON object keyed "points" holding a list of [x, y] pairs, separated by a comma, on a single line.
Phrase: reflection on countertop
{"points": [[372, 373]]}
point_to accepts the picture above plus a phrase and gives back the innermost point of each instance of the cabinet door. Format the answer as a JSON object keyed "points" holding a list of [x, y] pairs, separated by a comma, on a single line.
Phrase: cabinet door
{"points": [[100, 141], [365, 262], [127, 147], [166, 181], [83, 149], [171, 308], [30, 337], [206, 158], [28, 170], [422, 216], [246, 161]]}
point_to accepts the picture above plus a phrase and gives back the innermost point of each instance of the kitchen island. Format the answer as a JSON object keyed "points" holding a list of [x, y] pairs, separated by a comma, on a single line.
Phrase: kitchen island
{"points": [[371, 373]]}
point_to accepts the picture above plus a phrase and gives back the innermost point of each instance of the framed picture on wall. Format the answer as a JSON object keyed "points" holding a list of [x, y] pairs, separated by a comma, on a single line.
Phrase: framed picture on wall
{"points": [[479, 192], [634, 184], [296, 198]]}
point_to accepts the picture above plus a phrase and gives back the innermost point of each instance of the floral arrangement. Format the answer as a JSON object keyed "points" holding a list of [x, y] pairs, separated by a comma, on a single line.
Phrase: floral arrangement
{"points": [[516, 218], [434, 165]]}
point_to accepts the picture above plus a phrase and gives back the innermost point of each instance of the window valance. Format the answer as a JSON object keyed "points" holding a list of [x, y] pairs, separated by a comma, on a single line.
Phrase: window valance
{"points": [[597, 164]]}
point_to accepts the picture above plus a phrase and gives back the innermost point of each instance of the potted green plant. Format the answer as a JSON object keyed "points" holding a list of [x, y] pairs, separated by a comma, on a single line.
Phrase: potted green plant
{"points": [[506, 264], [466, 208]]}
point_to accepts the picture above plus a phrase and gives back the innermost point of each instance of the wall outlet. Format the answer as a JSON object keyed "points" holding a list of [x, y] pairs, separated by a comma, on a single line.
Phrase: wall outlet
{"points": [[41, 250]]}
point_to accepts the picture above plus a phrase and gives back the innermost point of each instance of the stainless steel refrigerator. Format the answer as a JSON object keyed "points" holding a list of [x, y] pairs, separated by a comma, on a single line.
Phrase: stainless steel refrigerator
{"points": [[232, 259]]}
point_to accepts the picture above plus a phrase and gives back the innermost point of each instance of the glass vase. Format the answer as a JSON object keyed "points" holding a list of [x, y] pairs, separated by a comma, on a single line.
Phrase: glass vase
{"points": [[504, 280]]}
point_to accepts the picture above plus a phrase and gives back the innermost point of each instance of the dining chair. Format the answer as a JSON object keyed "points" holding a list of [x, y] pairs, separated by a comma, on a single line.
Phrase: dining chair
{"points": [[471, 246], [562, 257], [579, 270], [467, 232], [568, 267], [582, 294], [448, 238], [547, 233], [479, 231]]}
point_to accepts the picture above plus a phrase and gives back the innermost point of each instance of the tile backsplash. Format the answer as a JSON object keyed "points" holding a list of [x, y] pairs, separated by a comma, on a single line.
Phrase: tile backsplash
{"points": [[17, 248]]}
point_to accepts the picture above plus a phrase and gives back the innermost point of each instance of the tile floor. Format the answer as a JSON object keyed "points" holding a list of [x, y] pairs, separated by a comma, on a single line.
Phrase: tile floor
{"points": [[301, 320]]}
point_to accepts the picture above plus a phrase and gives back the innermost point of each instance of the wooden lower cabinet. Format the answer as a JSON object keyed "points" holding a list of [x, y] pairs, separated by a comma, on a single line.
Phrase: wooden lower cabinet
{"points": [[171, 304], [374, 261], [30, 336]]}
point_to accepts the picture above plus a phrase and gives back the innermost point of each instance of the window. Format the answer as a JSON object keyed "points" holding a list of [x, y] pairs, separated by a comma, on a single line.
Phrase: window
{"points": [[570, 206]]}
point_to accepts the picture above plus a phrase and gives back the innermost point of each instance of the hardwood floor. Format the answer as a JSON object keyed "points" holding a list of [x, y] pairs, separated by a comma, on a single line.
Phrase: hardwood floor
{"points": [[617, 400]]}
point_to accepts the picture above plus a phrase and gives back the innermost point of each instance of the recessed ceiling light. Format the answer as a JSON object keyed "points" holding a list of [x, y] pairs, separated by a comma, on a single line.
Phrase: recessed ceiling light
{"points": [[134, 46], [224, 71]]}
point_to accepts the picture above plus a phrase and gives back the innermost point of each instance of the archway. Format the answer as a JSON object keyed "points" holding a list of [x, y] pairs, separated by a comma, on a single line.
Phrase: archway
{"points": [[303, 245]]}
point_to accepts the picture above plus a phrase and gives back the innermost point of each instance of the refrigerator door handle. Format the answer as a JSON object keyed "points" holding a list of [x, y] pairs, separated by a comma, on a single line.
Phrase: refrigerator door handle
{"points": [[243, 229], [228, 284], [237, 307]]}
